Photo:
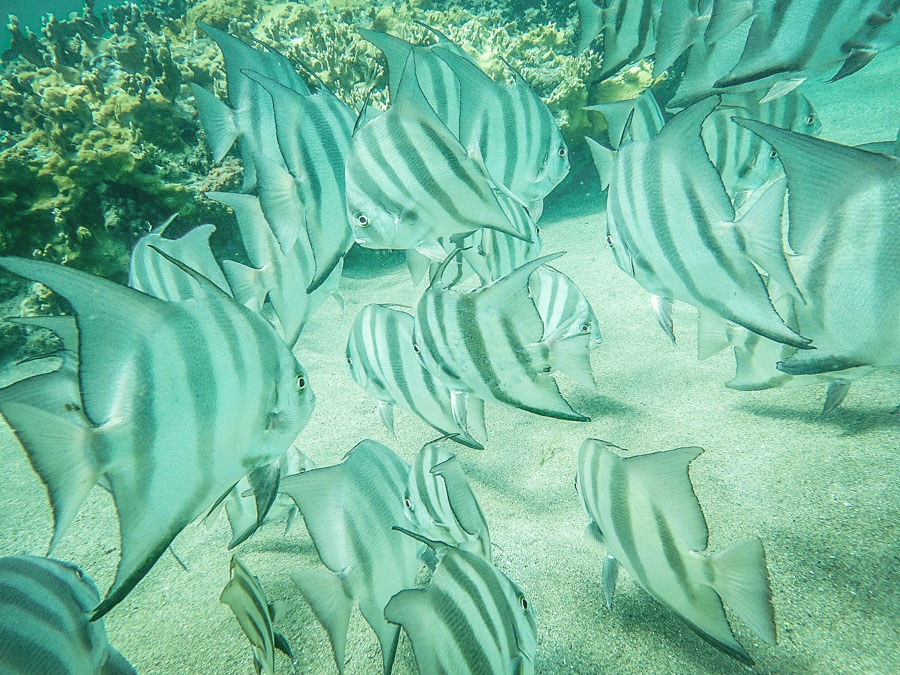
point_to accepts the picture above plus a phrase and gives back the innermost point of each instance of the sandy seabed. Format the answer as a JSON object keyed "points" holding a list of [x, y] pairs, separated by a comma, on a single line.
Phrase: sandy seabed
{"points": [[822, 493]]}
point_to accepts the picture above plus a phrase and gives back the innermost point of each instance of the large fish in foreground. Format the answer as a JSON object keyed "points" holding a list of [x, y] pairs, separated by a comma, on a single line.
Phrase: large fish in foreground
{"points": [[382, 360], [644, 510], [350, 509], [844, 211], [180, 400], [672, 227], [409, 179], [488, 343], [45, 626], [470, 619], [245, 596]]}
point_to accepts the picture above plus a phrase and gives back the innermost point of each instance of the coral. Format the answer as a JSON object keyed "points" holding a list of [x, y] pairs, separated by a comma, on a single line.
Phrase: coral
{"points": [[97, 135]]}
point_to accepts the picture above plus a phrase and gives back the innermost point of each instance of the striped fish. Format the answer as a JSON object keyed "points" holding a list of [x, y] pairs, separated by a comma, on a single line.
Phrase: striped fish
{"points": [[349, 511], [382, 360], [512, 130], [437, 80], [245, 596], [674, 230], [743, 160], [249, 119], [470, 619], [645, 510], [45, 626], [441, 506], [789, 40], [277, 275], [844, 228], [409, 180], [151, 273], [564, 310], [488, 343], [683, 23], [313, 135], [177, 427], [628, 28]]}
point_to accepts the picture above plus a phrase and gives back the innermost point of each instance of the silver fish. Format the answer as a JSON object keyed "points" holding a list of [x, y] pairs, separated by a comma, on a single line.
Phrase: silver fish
{"points": [[488, 343], [245, 596], [350, 510], [175, 418], [628, 28], [644, 509], [441, 506], [45, 626], [409, 180], [382, 360], [470, 619]]}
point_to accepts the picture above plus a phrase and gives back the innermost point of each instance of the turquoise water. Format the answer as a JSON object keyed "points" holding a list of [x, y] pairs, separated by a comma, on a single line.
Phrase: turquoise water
{"points": [[819, 491]]}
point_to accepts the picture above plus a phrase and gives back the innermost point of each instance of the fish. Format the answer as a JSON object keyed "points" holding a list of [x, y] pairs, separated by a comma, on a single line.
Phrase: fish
{"points": [[471, 618], [440, 504], [245, 596], [45, 625], [644, 510], [178, 428], [439, 83], [382, 360], [844, 211], [278, 276], [674, 231], [151, 273], [313, 134], [349, 510], [487, 342], [565, 311], [684, 23], [512, 130], [628, 28], [790, 40], [409, 180], [249, 119]]}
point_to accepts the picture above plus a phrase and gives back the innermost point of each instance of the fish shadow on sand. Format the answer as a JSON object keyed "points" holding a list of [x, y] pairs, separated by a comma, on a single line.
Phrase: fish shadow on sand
{"points": [[850, 421], [597, 405]]}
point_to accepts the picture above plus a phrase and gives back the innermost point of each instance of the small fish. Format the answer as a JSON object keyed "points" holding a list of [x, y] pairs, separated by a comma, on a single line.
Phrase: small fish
{"points": [[245, 596], [628, 28], [671, 226], [471, 618], [382, 360], [45, 626], [250, 118], [488, 343], [278, 276], [645, 510], [350, 509], [409, 180], [440, 504], [313, 134], [159, 410], [512, 130], [565, 311], [844, 234]]}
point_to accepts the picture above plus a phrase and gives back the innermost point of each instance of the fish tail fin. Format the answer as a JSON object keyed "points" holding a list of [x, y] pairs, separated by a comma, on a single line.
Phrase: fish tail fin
{"points": [[712, 334], [589, 18], [218, 122], [727, 16], [325, 592], [246, 283], [742, 581], [60, 452], [572, 356], [604, 161], [679, 28]]}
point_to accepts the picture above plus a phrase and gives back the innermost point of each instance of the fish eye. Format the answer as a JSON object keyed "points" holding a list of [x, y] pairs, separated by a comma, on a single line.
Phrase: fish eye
{"points": [[562, 151], [585, 328], [609, 240], [537, 229], [524, 603], [362, 220], [349, 361], [772, 154], [810, 119], [416, 348], [408, 502], [301, 383], [79, 573]]}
